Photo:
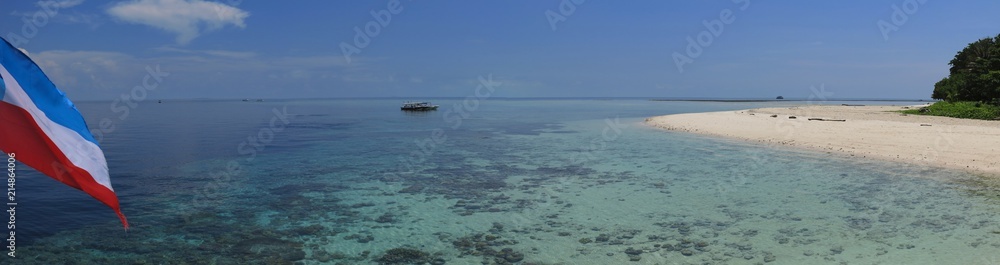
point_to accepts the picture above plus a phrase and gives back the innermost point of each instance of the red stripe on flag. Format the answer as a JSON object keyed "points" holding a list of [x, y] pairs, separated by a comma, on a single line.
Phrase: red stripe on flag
{"points": [[33, 148]]}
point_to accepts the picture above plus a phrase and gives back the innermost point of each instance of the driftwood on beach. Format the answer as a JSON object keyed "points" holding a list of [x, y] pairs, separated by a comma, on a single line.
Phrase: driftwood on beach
{"points": [[822, 119]]}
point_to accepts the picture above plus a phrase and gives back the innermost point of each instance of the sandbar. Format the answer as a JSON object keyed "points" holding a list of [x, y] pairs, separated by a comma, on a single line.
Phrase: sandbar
{"points": [[876, 132]]}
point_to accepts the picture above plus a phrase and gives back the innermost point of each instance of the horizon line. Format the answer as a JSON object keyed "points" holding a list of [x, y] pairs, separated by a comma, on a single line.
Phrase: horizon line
{"points": [[719, 99]]}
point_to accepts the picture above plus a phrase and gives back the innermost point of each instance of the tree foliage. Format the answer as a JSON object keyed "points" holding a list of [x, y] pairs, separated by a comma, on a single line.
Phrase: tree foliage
{"points": [[974, 74]]}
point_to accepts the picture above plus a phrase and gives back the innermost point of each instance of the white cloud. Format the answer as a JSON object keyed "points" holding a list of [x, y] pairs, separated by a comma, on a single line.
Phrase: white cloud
{"points": [[49, 6], [88, 69], [93, 21], [106, 75], [60, 4], [63, 13], [186, 18], [217, 53]]}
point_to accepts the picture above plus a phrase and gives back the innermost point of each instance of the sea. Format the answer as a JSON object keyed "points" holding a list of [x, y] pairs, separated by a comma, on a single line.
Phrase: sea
{"points": [[487, 181]]}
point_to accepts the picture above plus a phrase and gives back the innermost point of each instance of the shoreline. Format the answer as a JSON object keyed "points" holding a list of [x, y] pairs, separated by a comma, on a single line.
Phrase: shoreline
{"points": [[876, 132], [787, 100]]}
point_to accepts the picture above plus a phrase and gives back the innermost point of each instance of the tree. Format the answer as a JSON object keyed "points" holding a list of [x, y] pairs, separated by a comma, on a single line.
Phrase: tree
{"points": [[944, 89], [974, 74]]}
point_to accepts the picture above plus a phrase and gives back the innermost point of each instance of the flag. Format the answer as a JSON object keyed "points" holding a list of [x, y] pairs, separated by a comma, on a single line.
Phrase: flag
{"points": [[45, 131]]}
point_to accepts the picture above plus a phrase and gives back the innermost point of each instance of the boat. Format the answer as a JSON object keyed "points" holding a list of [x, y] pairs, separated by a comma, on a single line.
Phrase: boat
{"points": [[418, 106]]}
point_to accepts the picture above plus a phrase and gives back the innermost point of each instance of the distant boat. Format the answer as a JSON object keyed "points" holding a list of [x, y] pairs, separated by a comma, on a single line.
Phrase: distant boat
{"points": [[418, 106]]}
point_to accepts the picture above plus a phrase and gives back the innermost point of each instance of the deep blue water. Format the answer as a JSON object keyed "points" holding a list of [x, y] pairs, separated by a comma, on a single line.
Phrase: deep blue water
{"points": [[347, 176]]}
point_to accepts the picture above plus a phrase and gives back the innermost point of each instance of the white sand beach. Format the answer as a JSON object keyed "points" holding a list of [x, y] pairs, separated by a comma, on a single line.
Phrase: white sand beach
{"points": [[866, 131]]}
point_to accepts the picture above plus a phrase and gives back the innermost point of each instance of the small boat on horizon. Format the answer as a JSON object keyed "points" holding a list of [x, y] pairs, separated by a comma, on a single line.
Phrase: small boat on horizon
{"points": [[418, 106]]}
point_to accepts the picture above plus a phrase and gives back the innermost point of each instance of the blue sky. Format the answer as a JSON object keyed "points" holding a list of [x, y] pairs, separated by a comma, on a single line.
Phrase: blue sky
{"points": [[99, 50]]}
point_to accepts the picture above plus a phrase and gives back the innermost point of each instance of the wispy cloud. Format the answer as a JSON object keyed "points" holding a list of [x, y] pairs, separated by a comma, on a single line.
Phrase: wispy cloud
{"points": [[60, 4], [93, 21], [186, 18], [198, 73], [216, 53], [90, 69], [65, 13], [48, 6]]}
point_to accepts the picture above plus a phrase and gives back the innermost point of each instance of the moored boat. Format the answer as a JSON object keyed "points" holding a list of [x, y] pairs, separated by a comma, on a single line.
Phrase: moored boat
{"points": [[418, 106]]}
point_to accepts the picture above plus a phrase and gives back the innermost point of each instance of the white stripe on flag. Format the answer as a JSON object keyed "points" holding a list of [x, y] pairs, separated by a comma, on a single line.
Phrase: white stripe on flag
{"points": [[82, 153]]}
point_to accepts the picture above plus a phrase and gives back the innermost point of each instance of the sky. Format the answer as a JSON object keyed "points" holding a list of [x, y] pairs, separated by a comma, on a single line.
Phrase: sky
{"points": [[233, 49]]}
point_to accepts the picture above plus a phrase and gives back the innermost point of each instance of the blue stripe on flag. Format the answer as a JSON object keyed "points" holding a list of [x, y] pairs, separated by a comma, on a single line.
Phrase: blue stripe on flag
{"points": [[3, 88], [42, 92]]}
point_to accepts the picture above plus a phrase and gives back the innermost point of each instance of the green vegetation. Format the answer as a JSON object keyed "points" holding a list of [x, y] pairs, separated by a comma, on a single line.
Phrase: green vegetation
{"points": [[972, 89], [974, 74], [960, 109]]}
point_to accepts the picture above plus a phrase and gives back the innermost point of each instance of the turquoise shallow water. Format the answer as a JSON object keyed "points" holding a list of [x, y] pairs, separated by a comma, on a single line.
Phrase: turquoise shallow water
{"points": [[515, 182]]}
